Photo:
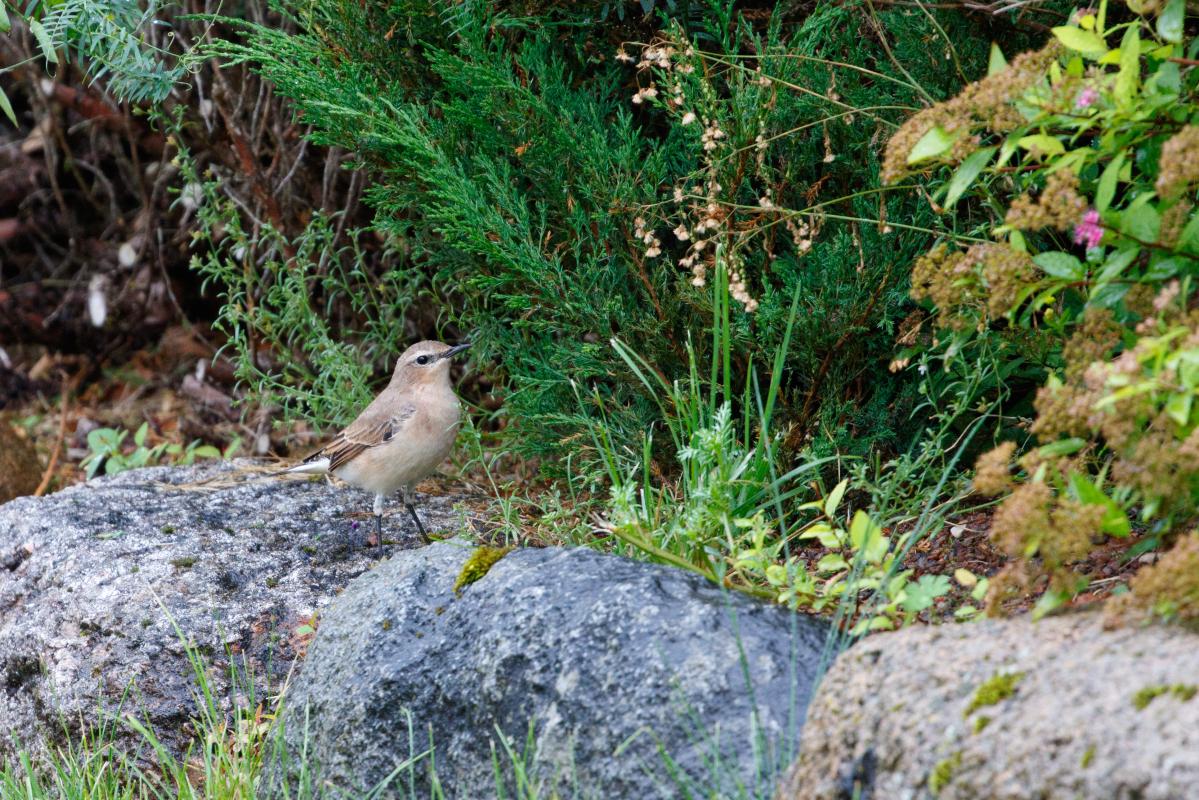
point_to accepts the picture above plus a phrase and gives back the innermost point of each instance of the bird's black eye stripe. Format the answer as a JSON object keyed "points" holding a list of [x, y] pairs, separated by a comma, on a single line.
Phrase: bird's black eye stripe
{"points": [[422, 360]]}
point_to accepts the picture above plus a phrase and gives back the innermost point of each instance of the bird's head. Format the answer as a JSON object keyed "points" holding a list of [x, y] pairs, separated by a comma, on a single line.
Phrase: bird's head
{"points": [[425, 363]]}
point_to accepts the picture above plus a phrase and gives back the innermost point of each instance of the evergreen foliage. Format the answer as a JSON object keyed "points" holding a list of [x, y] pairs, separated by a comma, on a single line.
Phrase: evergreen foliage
{"points": [[513, 169]]}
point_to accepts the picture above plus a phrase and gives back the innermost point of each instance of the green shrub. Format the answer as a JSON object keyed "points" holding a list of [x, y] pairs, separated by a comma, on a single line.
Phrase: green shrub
{"points": [[534, 203], [1075, 163]]}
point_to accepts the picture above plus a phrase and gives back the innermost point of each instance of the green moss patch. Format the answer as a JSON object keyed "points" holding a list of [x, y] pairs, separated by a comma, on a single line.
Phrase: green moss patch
{"points": [[994, 690], [479, 564], [1147, 695], [943, 772]]}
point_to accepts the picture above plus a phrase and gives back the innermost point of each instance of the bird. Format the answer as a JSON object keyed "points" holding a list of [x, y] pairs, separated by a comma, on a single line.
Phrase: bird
{"points": [[402, 436]]}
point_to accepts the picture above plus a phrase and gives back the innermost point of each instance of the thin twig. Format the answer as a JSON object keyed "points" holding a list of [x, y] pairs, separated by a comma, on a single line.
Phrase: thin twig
{"points": [[68, 388]]}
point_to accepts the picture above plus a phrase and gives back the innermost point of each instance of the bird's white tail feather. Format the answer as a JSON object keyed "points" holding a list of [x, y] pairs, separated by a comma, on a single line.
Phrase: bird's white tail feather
{"points": [[317, 467]]}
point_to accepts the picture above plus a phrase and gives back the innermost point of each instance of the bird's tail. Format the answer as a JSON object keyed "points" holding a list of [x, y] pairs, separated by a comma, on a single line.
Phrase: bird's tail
{"points": [[317, 466]]}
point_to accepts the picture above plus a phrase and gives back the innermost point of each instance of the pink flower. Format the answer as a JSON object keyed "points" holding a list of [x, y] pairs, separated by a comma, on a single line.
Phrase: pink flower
{"points": [[1086, 98], [1089, 231]]}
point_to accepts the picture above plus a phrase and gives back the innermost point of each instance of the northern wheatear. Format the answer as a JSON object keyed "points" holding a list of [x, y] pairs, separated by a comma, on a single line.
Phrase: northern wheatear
{"points": [[401, 437]]}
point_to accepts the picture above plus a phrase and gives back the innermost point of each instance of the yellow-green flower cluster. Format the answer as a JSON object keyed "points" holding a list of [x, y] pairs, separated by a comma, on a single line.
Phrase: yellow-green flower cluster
{"points": [[1167, 590], [1059, 205], [958, 282], [985, 105], [1178, 167]]}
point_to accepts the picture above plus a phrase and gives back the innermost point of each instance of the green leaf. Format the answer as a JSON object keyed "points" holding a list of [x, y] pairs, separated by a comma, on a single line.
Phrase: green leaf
{"points": [[1108, 295], [1049, 145], [1178, 407], [1116, 263], [1108, 181], [5, 23], [923, 593], [139, 438], [1188, 240], [980, 589], [931, 145], [825, 534], [1060, 265], [966, 173], [6, 107], [1161, 269], [43, 41], [1052, 599], [831, 562], [1169, 22], [965, 612], [1130, 66], [1115, 521], [866, 537], [1141, 223], [1080, 41], [1062, 447], [1188, 369], [834, 498], [996, 62]]}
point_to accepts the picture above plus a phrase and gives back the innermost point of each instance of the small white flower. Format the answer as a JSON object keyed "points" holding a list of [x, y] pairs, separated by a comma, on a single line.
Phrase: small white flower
{"points": [[681, 233], [688, 118]]}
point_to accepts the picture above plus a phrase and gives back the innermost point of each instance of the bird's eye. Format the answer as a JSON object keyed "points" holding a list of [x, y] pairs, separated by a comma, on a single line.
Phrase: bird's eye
{"points": [[422, 360]]}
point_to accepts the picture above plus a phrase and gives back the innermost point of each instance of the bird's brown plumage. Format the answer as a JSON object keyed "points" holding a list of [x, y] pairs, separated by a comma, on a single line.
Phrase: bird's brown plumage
{"points": [[378, 423]]}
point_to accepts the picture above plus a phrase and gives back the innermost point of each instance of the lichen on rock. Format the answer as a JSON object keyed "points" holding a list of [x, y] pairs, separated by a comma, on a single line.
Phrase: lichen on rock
{"points": [[479, 564]]}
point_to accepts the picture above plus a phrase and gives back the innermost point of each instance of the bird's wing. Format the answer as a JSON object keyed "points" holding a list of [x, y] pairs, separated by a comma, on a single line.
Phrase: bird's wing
{"points": [[373, 427]]}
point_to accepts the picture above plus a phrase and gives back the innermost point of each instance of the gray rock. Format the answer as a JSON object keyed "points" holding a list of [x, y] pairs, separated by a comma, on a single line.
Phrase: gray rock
{"points": [[91, 577], [601, 658], [890, 720]]}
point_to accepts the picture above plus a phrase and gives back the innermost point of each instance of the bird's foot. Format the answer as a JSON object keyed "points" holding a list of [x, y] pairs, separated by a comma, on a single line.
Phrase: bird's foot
{"points": [[378, 537], [424, 536]]}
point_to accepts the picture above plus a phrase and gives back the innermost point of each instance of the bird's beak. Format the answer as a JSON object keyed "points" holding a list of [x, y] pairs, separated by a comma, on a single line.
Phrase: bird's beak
{"points": [[455, 350]]}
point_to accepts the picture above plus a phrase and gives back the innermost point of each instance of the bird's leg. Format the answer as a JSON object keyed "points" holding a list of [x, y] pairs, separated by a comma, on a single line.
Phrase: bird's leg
{"points": [[379, 520], [411, 506]]}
